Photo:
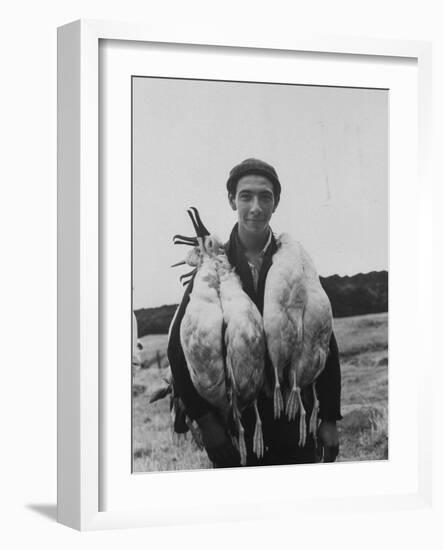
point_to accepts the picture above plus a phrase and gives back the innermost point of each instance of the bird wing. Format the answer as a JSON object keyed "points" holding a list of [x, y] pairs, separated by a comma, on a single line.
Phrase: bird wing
{"points": [[281, 325], [245, 351], [317, 326], [201, 338]]}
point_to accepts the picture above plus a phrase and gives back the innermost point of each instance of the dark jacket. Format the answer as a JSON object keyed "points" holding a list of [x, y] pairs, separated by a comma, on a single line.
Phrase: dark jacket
{"points": [[329, 381]]}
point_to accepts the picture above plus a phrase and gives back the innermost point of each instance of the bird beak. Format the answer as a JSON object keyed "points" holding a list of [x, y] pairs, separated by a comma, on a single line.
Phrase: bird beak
{"points": [[200, 229]]}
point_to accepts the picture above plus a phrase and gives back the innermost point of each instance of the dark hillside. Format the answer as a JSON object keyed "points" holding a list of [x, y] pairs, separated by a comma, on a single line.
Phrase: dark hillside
{"points": [[357, 295]]}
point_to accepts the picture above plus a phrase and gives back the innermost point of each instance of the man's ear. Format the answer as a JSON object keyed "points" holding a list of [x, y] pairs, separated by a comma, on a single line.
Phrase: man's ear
{"points": [[231, 199], [276, 204]]}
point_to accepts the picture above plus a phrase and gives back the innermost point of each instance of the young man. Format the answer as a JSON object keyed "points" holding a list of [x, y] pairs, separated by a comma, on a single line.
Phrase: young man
{"points": [[254, 193]]}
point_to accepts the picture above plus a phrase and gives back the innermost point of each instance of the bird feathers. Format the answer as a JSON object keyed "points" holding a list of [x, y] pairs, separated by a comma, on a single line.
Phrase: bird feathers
{"points": [[297, 316], [224, 336], [201, 338]]}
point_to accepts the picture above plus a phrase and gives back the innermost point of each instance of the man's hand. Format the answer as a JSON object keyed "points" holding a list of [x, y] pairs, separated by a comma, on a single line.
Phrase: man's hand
{"points": [[328, 439], [217, 442]]}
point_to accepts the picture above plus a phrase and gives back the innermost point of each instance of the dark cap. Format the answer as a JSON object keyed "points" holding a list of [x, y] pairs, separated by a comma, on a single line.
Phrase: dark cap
{"points": [[253, 166]]}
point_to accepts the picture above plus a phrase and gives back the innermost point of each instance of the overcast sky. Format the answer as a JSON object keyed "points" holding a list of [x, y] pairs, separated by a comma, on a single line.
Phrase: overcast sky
{"points": [[328, 145]]}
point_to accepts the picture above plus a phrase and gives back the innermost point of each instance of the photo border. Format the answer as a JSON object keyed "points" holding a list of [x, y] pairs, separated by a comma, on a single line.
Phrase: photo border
{"points": [[79, 257]]}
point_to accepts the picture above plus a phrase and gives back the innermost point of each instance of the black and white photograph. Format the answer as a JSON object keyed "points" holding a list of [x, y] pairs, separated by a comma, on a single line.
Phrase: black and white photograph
{"points": [[260, 260], [228, 234]]}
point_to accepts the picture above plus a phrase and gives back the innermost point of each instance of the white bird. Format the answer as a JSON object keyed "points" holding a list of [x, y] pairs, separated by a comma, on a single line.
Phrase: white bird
{"points": [[245, 352], [202, 325], [297, 319]]}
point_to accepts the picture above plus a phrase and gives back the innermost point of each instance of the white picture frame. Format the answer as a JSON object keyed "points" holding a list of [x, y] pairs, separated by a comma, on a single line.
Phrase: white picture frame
{"points": [[80, 392]]}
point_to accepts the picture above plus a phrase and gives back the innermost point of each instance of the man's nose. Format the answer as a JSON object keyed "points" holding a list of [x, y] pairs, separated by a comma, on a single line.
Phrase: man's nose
{"points": [[255, 205]]}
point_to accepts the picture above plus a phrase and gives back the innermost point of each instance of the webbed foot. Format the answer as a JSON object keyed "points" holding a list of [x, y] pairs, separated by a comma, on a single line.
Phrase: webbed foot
{"points": [[242, 447], [258, 445], [278, 401], [302, 429], [292, 404], [313, 421]]}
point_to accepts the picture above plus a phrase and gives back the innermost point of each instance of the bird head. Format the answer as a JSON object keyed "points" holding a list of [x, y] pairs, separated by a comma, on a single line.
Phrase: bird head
{"points": [[208, 244], [204, 244]]}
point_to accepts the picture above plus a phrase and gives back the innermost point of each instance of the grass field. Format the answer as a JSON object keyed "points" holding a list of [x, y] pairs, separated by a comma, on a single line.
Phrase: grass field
{"points": [[363, 344]]}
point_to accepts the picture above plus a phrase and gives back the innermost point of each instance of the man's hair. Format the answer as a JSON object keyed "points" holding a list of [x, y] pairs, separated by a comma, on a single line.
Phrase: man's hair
{"points": [[253, 166]]}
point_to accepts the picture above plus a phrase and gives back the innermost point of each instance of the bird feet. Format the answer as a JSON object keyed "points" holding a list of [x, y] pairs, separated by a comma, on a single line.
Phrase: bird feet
{"points": [[292, 403], [278, 401], [242, 447], [258, 444], [313, 421], [302, 428]]}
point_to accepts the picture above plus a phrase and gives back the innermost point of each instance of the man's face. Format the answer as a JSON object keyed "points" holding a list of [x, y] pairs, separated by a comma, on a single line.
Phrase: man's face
{"points": [[254, 203]]}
